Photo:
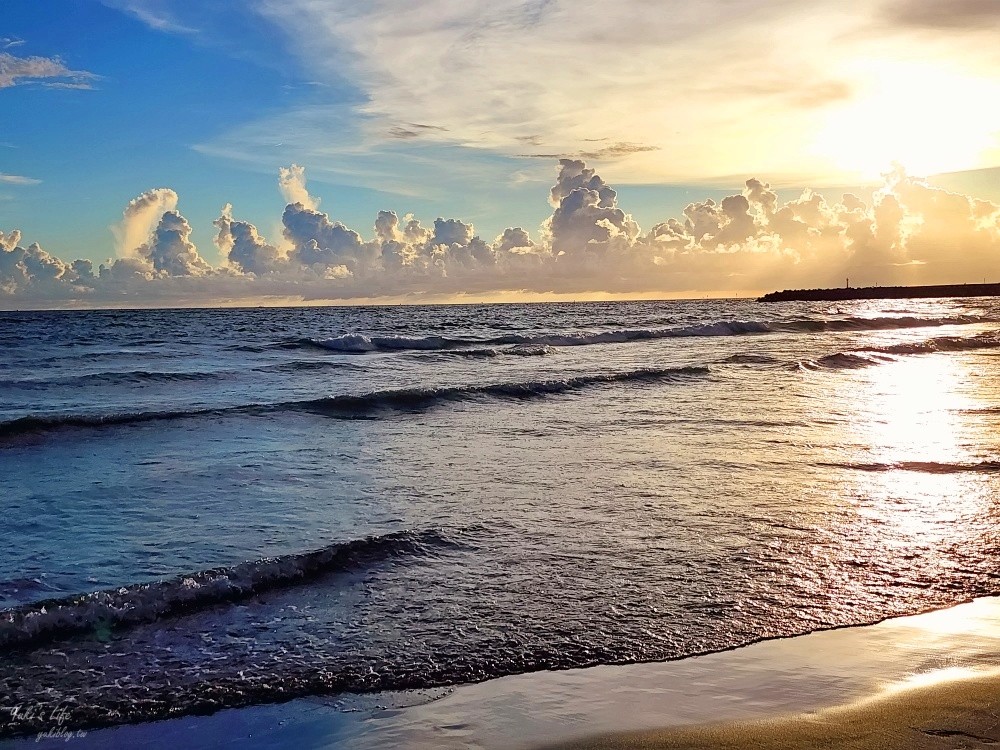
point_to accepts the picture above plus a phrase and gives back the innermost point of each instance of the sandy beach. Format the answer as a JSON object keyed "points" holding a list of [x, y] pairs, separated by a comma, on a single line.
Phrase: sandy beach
{"points": [[956, 713]]}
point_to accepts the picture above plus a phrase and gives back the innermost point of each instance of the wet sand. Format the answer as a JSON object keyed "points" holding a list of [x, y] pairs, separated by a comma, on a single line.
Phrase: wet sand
{"points": [[960, 713]]}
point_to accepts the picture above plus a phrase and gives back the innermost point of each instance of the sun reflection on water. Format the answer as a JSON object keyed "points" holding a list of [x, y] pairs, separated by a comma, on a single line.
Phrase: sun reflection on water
{"points": [[913, 451]]}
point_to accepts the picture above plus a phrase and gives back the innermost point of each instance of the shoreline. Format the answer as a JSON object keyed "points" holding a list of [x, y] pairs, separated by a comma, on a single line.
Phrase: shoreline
{"points": [[963, 710], [883, 292], [761, 688]]}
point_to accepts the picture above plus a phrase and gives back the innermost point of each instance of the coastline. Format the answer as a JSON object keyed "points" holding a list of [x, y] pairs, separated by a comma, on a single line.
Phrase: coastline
{"points": [[883, 292], [836, 685]]}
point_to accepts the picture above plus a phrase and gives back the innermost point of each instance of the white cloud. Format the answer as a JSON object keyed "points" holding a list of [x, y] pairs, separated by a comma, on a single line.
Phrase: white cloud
{"points": [[292, 182], [140, 217], [15, 179], [19, 70], [154, 13], [170, 251], [69, 86], [243, 247], [907, 232]]}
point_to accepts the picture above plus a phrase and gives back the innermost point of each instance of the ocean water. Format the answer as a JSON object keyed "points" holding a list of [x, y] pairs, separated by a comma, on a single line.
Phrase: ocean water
{"points": [[210, 508]]}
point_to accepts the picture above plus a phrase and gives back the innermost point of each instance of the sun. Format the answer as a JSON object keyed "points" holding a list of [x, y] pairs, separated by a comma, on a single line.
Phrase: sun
{"points": [[927, 117]]}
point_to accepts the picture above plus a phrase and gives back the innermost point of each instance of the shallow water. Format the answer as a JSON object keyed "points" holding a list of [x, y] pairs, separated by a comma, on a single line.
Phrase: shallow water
{"points": [[486, 490]]}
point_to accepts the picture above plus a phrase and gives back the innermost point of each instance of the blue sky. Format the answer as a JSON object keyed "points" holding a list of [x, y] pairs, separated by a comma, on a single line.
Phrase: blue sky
{"points": [[158, 94], [163, 94], [463, 110]]}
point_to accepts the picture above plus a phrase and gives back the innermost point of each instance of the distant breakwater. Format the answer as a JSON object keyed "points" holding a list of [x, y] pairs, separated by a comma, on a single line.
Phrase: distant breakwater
{"points": [[883, 292]]}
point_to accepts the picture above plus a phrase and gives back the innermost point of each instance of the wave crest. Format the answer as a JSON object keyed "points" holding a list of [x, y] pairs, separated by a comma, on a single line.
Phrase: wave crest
{"points": [[358, 343], [350, 406], [417, 398], [877, 355], [146, 602]]}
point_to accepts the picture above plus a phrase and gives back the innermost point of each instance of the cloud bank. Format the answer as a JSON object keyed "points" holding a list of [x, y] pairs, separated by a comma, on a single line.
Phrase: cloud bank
{"points": [[908, 232]]}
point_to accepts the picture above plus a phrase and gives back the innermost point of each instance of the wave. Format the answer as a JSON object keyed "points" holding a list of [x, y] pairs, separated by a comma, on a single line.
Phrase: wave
{"points": [[418, 398], [44, 423], [133, 377], [877, 355], [749, 359], [147, 602], [308, 365], [845, 361], [99, 354], [986, 340], [351, 406], [518, 350], [358, 343], [924, 467], [885, 323], [18, 587]]}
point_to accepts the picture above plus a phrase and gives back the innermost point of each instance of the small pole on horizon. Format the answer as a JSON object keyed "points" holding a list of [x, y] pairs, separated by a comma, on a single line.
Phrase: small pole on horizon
{"points": [[847, 283]]}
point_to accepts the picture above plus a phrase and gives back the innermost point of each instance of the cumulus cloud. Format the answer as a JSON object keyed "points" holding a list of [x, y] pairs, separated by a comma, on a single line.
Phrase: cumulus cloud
{"points": [[32, 272], [9, 241], [586, 223], [46, 70], [292, 181], [170, 250], [906, 232], [140, 217], [241, 244]]}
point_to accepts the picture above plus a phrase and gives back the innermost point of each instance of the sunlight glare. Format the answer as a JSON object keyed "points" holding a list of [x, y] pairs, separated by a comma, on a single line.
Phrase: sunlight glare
{"points": [[926, 117]]}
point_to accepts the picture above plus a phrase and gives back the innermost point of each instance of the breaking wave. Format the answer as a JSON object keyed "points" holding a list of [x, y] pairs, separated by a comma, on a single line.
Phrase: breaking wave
{"points": [[357, 343], [518, 350], [417, 398], [877, 355], [146, 602], [845, 361], [987, 340]]}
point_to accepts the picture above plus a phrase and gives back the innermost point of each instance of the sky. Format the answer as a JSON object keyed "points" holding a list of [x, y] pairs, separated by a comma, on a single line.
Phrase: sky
{"points": [[160, 152]]}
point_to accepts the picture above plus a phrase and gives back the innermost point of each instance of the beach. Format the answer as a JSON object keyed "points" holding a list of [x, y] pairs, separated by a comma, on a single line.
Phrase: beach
{"points": [[508, 375], [343, 524], [928, 680], [957, 714]]}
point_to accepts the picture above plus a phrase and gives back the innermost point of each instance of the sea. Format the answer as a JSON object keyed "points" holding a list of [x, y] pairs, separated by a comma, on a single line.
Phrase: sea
{"points": [[210, 508]]}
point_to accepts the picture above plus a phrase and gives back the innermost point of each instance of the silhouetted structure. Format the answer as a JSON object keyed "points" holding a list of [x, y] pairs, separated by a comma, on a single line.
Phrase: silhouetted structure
{"points": [[883, 292]]}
